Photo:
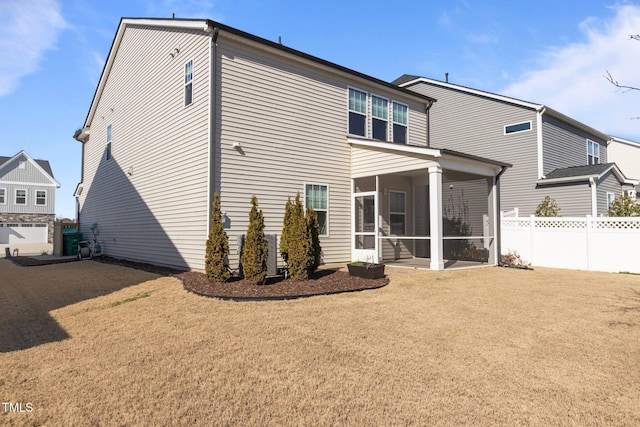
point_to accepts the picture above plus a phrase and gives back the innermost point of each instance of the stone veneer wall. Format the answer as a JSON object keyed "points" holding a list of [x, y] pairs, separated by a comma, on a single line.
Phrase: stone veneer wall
{"points": [[31, 218]]}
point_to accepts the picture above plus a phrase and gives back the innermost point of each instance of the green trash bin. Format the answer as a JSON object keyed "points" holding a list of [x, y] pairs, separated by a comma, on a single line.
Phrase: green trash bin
{"points": [[70, 243]]}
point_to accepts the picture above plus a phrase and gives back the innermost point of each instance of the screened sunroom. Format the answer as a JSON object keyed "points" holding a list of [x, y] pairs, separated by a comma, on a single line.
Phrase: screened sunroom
{"points": [[422, 206]]}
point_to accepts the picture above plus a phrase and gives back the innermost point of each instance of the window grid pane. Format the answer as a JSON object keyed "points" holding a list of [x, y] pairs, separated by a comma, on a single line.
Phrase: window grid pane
{"points": [[400, 113], [357, 101], [316, 197], [379, 108]]}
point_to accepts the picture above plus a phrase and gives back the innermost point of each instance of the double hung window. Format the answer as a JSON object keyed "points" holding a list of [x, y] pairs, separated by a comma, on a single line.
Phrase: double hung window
{"points": [[357, 112], [400, 122], [188, 83], [21, 197], [108, 149], [379, 117], [316, 196], [397, 213], [41, 198], [593, 152]]}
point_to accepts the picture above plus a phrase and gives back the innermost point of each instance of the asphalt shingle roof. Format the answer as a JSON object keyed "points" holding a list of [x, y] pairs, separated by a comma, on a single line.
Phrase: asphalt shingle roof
{"points": [[575, 171]]}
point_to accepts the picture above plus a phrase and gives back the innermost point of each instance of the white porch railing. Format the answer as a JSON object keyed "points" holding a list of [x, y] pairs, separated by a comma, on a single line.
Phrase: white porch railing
{"points": [[581, 243]]}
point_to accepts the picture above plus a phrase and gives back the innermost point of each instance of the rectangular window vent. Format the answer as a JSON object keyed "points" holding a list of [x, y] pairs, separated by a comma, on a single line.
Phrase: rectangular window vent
{"points": [[518, 127]]}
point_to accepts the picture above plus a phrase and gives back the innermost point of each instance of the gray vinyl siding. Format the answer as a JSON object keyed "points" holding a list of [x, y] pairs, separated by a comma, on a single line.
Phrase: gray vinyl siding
{"points": [[474, 124], [31, 179], [565, 146], [150, 201], [30, 207], [573, 199], [607, 184], [467, 197], [290, 118], [30, 173]]}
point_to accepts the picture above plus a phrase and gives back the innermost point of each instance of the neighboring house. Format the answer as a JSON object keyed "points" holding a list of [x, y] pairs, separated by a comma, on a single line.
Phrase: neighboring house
{"points": [[27, 200], [626, 154], [185, 108], [551, 153]]}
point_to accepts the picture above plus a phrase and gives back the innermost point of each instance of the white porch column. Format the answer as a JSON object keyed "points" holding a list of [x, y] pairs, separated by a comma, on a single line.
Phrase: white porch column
{"points": [[435, 206]]}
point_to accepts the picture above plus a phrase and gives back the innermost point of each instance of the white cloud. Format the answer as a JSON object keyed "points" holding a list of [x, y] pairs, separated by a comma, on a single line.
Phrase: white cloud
{"points": [[571, 78], [28, 28]]}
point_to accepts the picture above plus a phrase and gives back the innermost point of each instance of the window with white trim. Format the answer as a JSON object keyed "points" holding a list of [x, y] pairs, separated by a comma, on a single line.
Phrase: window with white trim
{"points": [[108, 149], [593, 152], [400, 122], [517, 127], [21, 197], [316, 196], [41, 197], [357, 112], [3, 196], [379, 117], [397, 213], [22, 164], [610, 198], [188, 83]]}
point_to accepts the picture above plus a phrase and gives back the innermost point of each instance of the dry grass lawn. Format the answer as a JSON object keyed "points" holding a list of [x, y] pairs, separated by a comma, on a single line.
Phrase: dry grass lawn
{"points": [[95, 344]]}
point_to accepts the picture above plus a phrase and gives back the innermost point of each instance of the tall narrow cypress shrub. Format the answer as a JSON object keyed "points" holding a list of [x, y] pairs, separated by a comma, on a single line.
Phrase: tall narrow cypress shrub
{"points": [[299, 243], [217, 245], [314, 234], [286, 225], [254, 253]]}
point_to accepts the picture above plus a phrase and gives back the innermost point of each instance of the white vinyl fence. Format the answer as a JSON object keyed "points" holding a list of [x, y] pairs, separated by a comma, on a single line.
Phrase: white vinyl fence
{"points": [[579, 243]]}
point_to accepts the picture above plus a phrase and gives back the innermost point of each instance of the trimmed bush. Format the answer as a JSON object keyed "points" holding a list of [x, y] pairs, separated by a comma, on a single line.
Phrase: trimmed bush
{"points": [[548, 208], [624, 206], [299, 243], [286, 225], [217, 246], [314, 234], [254, 252]]}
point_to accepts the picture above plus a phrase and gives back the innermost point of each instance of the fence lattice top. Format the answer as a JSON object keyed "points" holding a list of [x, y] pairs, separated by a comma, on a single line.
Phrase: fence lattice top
{"points": [[572, 223]]}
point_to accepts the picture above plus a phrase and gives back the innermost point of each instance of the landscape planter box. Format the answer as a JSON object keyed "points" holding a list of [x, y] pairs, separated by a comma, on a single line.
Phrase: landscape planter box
{"points": [[368, 271]]}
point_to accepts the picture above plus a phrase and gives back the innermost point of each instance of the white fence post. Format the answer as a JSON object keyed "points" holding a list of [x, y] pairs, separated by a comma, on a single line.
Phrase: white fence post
{"points": [[532, 247]]}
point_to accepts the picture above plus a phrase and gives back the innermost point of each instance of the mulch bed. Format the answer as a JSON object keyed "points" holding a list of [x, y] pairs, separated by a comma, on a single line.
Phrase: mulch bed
{"points": [[25, 261], [323, 282]]}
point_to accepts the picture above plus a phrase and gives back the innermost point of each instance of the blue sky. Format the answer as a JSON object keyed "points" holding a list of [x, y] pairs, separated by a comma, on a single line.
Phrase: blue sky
{"points": [[550, 52]]}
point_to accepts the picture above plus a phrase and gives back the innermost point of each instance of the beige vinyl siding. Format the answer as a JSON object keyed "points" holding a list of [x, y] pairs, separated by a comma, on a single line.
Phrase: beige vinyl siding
{"points": [[565, 146], [290, 121], [626, 156], [290, 118], [150, 200], [607, 184], [367, 162], [475, 125]]}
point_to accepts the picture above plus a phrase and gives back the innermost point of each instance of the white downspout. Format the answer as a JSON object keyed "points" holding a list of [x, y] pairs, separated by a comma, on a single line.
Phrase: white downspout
{"points": [[539, 114], [594, 197]]}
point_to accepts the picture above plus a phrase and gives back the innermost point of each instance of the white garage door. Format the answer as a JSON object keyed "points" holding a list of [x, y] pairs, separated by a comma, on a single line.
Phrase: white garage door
{"points": [[24, 233]]}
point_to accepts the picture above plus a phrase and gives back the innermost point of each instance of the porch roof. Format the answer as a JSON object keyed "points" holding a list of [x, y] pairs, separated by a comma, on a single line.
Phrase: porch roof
{"points": [[371, 157]]}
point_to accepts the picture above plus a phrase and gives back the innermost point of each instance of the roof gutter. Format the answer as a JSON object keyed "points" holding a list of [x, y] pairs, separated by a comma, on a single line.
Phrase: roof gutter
{"points": [[81, 135]]}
